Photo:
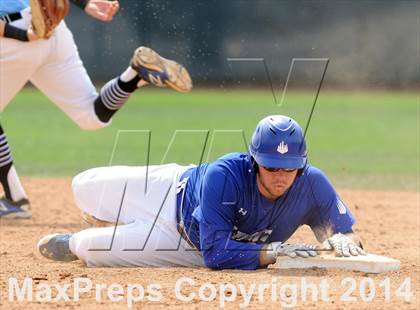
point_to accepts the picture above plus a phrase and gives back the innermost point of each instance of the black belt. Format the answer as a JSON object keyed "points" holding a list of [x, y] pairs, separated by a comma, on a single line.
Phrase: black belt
{"points": [[9, 18], [180, 223]]}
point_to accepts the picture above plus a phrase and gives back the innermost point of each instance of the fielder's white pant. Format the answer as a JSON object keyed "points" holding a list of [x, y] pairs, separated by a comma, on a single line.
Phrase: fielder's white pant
{"points": [[148, 235], [54, 67]]}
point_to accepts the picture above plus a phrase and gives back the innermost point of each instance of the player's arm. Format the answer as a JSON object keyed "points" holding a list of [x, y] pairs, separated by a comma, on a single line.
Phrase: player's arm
{"points": [[217, 217], [330, 219], [216, 220], [12, 32], [100, 9]]}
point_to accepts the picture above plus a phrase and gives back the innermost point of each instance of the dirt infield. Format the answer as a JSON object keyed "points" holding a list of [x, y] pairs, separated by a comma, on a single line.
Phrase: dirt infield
{"points": [[388, 222]]}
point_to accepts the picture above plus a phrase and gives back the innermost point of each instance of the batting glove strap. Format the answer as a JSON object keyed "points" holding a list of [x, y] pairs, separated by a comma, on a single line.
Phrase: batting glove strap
{"points": [[276, 249], [343, 245]]}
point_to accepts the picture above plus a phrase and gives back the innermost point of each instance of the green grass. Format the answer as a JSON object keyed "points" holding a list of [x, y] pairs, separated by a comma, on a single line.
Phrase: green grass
{"points": [[361, 139]]}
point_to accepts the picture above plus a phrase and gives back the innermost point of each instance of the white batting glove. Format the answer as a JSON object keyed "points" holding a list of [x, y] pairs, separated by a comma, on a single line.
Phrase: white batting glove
{"points": [[343, 245], [276, 249]]}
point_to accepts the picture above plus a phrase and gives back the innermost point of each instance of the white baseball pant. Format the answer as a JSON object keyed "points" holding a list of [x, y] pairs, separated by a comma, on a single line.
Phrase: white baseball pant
{"points": [[147, 235], [54, 67]]}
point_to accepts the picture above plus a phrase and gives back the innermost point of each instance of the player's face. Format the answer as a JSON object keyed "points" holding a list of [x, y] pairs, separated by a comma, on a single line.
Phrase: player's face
{"points": [[272, 183]]}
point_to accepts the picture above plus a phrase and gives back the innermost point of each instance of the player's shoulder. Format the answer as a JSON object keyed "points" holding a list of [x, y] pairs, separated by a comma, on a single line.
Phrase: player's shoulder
{"points": [[232, 164], [232, 160], [313, 172], [315, 177]]}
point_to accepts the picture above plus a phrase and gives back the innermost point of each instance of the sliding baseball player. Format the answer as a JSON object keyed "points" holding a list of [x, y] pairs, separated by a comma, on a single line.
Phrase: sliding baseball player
{"points": [[53, 65], [237, 212]]}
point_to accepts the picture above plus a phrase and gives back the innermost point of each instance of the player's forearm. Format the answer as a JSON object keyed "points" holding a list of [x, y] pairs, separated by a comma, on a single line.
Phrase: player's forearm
{"points": [[225, 253], [231, 259], [265, 259]]}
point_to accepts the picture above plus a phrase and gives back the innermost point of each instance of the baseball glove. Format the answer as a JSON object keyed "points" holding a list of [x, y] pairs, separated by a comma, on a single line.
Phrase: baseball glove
{"points": [[47, 14]]}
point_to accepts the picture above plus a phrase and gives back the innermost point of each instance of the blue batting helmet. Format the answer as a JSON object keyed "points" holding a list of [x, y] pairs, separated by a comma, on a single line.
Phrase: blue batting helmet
{"points": [[278, 142]]}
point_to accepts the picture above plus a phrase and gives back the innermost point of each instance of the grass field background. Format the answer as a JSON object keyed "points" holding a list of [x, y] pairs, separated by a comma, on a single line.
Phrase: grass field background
{"points": [[366, 139]]}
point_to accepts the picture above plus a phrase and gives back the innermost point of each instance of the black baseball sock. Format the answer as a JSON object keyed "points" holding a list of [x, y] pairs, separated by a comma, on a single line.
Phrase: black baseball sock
{"points": [[9, 179], [6, 163], [114, 94]]}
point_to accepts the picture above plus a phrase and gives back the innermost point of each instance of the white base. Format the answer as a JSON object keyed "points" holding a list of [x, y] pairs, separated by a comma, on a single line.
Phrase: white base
{"points": [[370, 263]]}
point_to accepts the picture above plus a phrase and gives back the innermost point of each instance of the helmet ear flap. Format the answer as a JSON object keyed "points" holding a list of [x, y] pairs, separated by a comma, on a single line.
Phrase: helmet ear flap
{"points": [[254, 165], [300, 171]]}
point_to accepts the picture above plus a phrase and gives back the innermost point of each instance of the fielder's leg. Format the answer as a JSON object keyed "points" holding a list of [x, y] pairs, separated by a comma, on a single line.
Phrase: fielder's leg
{"points": [[18, 61], [15, 204], [65, 81]]}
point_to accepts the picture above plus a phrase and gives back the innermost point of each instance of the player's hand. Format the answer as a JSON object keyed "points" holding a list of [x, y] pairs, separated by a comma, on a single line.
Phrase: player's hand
{"points": [[292, 250], [343, 245], [102, 9]]}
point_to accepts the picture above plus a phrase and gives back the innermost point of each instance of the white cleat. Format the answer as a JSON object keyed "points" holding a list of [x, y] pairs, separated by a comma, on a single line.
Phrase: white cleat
{"points": [[160, 71]]}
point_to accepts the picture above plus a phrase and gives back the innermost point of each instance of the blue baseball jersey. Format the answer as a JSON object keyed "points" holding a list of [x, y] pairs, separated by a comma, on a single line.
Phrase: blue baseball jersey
{"points": [[12, 6], [228, 220]]}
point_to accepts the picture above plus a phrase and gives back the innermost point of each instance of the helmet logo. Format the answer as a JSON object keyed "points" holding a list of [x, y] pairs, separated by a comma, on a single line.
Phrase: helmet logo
{"points": [[282, 148]]}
